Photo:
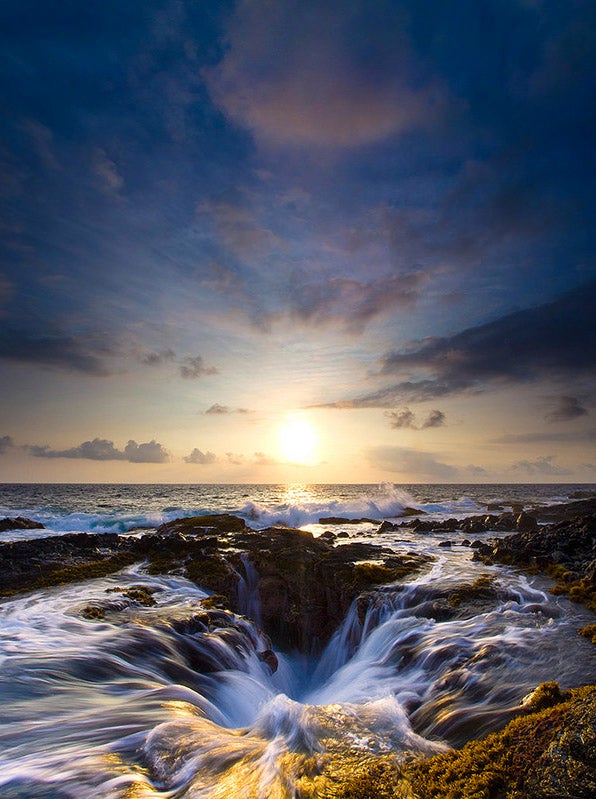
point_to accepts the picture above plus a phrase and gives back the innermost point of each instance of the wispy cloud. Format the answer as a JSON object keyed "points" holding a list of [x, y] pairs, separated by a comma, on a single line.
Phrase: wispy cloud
{"points": [[105, 169], [6, 443], [551, 340], [223, 410], [542, 466], [156, 358], [567, 408], [193, 367], [309, 87], [538, 437], [67, 353], [410, 462]]}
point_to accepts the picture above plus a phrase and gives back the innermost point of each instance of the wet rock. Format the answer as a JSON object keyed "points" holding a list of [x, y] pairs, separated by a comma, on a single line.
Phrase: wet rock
{"points": [[548, 753], [563, 549], [200, 525], [387, 527], [565, 511], [567, 769], [494, 506], [19, 523], [328, 536], [525, 522], [466, 543], [343, 534], [445, 544], [269, 657], [343, 520]]}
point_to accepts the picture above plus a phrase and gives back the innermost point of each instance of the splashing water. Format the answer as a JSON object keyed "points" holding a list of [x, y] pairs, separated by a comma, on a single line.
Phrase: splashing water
{"points": [[174, 701]]}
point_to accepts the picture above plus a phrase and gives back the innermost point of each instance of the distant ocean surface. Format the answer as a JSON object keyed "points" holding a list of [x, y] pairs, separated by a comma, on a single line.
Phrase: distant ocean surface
{"points": [[66, 508]]}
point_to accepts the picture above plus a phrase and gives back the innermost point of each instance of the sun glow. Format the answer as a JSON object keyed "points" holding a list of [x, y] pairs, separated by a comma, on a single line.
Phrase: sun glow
{"points": [[298, 441]]}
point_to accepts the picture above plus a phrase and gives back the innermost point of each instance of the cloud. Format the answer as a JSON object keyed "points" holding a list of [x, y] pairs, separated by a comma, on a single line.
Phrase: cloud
{"points": [[194, 367], [67, 353], [6, 443], [100, 449], [568, 408], [399, 419], [478, 471], [42, 140], [406, 418], [150, 452], [540, 466], [223, 410], [409, 462], [557, 339], [533, 438], [235, 459], [106, 170], [351, 303], [292, 75], [240, 231], [260, 459], [156, 358], [198, 456], [434, 419]]}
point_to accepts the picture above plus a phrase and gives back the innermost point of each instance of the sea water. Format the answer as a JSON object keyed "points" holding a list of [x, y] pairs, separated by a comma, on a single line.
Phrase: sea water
{"points": [[152, 702]]}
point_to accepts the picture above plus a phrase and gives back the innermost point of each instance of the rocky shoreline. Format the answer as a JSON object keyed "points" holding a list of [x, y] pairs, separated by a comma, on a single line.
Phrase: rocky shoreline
{"points": [[305, 586]]}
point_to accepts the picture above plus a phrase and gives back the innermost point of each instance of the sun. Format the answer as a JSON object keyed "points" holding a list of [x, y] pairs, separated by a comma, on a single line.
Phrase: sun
{"points": [[297, 441]]}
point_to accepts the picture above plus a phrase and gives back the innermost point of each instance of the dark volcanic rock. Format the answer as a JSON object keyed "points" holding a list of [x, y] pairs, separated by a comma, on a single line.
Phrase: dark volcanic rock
{"points": [[568, 510], [19, 523], [541, 754], [305, 584], [566, 550], [199, 525], [343, 520]]}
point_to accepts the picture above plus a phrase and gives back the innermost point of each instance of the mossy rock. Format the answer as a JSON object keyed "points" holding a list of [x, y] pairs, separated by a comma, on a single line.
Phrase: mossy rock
{"points": [[582, 590], [524, 759], [142, 594], [79, 572], [199, 525], [589, 631], [366, 575], [481, 589]]}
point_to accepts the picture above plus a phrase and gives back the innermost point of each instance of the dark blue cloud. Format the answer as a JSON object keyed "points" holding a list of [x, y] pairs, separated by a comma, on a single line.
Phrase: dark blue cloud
{"points": [[554, 340], [59, 352], [567, 408]]}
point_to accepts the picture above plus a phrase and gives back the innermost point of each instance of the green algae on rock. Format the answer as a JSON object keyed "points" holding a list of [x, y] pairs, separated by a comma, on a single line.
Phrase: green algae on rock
{"points": [[547, 752]]}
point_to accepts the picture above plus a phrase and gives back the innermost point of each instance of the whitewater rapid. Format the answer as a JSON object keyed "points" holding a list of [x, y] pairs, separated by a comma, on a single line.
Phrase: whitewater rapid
{"points": [[173, 701]]}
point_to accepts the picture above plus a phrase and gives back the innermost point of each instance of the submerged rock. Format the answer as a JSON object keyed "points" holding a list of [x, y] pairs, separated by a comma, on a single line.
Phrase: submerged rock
{"points": [[564, 550], [19, 523]]}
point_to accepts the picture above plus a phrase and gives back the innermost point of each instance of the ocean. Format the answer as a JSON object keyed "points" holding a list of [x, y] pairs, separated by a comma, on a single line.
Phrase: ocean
{"points": [[66, 508], [157, 702]]}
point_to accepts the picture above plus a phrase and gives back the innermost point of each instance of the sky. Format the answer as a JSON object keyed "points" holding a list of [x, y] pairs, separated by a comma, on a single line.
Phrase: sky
{"points": [[297, 241]]}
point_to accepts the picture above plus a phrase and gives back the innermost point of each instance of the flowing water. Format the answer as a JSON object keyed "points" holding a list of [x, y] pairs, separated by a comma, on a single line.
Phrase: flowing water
{"points": [[171, 701]]}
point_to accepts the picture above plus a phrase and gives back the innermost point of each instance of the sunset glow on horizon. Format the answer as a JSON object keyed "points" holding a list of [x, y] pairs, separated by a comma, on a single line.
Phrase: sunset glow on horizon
{"points": [[374, 218]]}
